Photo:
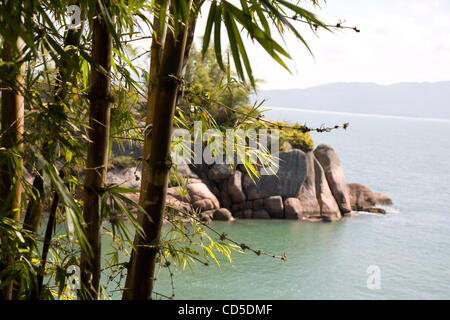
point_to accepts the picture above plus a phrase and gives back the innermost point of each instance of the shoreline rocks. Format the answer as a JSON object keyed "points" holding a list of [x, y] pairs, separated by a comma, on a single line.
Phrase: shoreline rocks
{"points": [[364, 199], [308, 186], [334, 174]]}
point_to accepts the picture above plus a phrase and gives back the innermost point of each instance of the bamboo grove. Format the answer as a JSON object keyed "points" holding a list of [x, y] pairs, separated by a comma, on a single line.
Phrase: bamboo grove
{"points": [[69, 90]]}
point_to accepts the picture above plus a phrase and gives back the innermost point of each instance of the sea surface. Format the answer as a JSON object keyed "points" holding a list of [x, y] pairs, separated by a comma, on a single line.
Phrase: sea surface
{"points": [[407, 159]]}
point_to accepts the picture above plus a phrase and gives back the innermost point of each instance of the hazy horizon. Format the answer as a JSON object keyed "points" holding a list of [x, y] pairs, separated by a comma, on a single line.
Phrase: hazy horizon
{"points": [[356, 82], [408, 99]]}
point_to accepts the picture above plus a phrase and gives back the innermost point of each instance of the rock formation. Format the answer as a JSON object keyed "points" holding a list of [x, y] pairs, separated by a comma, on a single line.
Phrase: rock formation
{"points": [[364, 199], [308, 186], [334, 174]]}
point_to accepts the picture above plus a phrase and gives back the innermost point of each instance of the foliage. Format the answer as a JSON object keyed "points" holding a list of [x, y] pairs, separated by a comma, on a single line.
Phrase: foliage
{"points": [[297, 138], [56, 86], [205, 79]]}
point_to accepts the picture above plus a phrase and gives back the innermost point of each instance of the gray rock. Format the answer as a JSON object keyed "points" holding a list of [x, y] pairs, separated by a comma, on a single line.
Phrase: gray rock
{"points": [[247, 214], [293, 209], [235, 208], [375, 210], [274, 205], [362, 198], [382, 199], [206, 216], [248, 205], [223, 214], [253, 189], [224, 195], [258, 204], [204, 204], [334, 174], [178, 194], [261, 214], [238, 214], [287, 181], [328, 205], [198, 192], [307, 194], [179, 205], [219, 172], [235, 188]]}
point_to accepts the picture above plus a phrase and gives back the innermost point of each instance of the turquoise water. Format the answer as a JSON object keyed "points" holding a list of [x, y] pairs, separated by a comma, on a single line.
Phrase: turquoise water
{"points": [[407, 159]]}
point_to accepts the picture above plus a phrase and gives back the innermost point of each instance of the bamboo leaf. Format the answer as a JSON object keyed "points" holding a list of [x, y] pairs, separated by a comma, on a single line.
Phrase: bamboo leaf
{"points": [[208, 28]]}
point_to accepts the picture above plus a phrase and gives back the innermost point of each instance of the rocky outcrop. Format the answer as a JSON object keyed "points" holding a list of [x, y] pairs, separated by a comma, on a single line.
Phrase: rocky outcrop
{"points": [[201, 197], [307, 193], [293, 209], [364, 199], [219, 172], [334, 174], [261, 214], [287, 181], [224, 195], [329, 209], [308, 186], [235, 189], [274, 205], [223, 214]]}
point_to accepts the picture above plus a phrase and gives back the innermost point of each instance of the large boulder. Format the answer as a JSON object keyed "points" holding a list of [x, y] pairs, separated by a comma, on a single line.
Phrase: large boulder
{"points": [[204, 204], [247, 214], [293, 209], [382, 199], [364, 199], [256, 188], [235, 187], [223, 214], [286, 182], [307, 194], [219, 172], [334, 174], [224, 195], [274, 205], [179, 194], [291, 172], [261, 214], [258, 204], [201, 197], [175, 204], [247, 205], [206, 216], [375, 210], [329, 209]]}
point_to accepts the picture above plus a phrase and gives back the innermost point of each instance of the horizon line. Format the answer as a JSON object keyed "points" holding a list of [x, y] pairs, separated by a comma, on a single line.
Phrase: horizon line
{"points": [[357, 82], [378, 115]]}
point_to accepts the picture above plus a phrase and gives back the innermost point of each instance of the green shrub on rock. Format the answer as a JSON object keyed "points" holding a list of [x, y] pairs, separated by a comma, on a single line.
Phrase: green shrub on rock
{"points": [[296, 137]]}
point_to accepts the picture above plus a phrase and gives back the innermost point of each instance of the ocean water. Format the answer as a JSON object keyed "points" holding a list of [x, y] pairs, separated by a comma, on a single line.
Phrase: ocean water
{"points": [[405, 158]]}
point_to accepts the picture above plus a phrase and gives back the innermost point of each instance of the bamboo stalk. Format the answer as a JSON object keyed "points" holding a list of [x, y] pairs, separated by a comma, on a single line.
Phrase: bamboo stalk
{"points": [[12, 124], [97, 157], [156, 165]]}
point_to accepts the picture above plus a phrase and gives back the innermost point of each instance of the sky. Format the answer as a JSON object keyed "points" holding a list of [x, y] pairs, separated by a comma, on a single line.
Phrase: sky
{"points": [[400, 41]]}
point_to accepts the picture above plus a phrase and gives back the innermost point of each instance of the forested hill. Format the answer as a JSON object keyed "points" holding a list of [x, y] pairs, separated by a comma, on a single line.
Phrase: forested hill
{"points": [[431, 100]]}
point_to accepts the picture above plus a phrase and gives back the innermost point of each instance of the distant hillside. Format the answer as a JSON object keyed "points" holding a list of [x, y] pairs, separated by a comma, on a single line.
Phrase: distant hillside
{"points": [[430, 100]]}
